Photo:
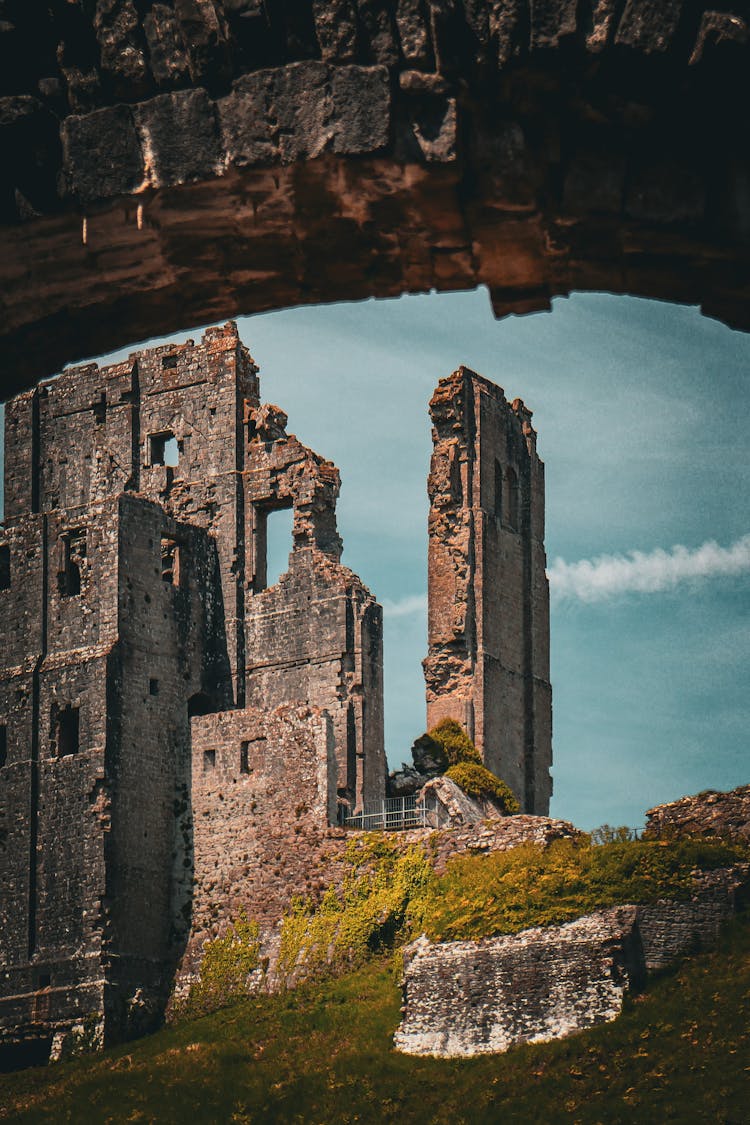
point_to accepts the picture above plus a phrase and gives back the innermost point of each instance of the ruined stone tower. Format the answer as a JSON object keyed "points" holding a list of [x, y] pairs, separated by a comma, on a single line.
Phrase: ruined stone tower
{"points": [[488, 597], [133, 607]]}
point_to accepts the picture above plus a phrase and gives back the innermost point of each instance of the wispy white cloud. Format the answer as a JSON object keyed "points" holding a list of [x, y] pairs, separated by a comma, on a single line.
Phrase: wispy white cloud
{"points": [[405, 607], [592, 580]]}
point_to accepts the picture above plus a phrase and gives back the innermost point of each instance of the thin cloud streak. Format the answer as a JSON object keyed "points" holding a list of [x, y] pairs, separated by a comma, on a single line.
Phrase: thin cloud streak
{"points": [[593, 580], [405, 607]]}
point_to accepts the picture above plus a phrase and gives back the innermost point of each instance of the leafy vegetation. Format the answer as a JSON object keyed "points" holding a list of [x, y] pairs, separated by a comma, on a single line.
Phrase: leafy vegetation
{"points": [[455, 742], [225, 972], [323, 1053], [476, 781], [532, 886], [391, 894], [366, 915]]}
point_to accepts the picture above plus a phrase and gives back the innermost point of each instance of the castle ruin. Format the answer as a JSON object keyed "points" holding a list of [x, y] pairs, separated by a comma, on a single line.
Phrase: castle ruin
{"points": [[178, 739]]}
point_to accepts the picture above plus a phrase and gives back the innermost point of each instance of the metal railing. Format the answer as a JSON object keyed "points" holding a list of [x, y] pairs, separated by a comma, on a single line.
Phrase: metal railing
{"points": [[392, 815]]}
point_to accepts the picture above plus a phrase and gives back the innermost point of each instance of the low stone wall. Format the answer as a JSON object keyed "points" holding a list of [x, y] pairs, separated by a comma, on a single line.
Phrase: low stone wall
{"points": [[468, 998], [722, 815]]}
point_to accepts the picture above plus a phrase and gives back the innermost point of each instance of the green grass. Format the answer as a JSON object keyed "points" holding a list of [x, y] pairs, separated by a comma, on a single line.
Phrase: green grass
{"points": [[680, 1052]]}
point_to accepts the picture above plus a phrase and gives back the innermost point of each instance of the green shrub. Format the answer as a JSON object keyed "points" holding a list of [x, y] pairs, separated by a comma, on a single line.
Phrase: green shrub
{"points": [[505, 892], [225, 969], [458, 747], [366, 915], [477, 781]]}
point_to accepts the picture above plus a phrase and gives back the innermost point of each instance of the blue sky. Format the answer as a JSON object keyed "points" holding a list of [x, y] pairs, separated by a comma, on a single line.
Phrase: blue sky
{"points": [[643, 417]]}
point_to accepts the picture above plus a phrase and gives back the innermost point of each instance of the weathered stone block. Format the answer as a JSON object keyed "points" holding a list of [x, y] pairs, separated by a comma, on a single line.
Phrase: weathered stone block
{"points": [[469, 998], [101, 154], [299, 111], [649, 27], [122, 59], [180, 137], [336, 29], [551, 22], [167, 52]]}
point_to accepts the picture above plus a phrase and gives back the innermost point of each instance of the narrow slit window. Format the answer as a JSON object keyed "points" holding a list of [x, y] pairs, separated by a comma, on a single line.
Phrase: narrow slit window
{"points": [[209, 760], [510, 499], [170, 562], [244, 757], [67, 732], [164, 450], [4, 566], [3, 744], [498, 490], [153, 687], [72, 560]]}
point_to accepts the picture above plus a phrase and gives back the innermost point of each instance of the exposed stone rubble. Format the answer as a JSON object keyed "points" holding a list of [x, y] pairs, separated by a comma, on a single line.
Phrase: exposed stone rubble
{"points": [[133, 600], [468, 998], [488, 595], [722, 815], [238, 155]]}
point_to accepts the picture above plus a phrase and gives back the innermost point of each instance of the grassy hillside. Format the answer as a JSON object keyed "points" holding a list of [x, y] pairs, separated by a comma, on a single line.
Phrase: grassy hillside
{"points": [[679, 1053]]}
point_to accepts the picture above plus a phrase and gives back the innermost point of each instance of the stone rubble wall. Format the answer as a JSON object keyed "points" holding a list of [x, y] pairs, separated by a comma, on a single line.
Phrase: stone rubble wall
{"points": [[468, 998], [722, 815]]}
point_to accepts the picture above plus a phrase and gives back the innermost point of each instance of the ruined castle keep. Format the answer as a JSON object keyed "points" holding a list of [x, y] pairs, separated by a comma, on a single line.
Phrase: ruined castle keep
{"points": [[133, 601], [488, 595], [179, 740]]}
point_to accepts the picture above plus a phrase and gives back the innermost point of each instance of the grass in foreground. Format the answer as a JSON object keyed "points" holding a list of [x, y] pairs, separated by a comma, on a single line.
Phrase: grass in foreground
{"points": [[323, 1054]]}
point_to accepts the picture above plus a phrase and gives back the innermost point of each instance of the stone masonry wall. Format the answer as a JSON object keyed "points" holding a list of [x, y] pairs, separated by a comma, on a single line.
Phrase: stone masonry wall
{"points": [[488, 598], [723, 815]]}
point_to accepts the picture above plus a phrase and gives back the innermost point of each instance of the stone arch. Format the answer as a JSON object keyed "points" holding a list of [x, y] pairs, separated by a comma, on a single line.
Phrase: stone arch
{"points": [[186, 164]]}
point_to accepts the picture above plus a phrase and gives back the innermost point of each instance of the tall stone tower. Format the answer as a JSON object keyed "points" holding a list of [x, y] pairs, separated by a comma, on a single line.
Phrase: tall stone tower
{"points": [[488, 616]]}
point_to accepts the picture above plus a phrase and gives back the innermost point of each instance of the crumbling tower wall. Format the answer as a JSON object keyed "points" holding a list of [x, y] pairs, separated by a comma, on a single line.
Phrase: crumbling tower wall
{"points": [[129, 608], [317, 634], [488, 597]]}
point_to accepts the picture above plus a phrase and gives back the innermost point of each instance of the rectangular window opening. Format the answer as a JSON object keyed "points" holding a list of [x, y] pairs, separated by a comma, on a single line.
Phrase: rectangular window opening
{"points": [[209, 760], [244, 757], [67, 731], [273, 543], [170, 562], [73, 557], [164, 449], [4, 566], [169, 362], [153, 687], [3, 744]]}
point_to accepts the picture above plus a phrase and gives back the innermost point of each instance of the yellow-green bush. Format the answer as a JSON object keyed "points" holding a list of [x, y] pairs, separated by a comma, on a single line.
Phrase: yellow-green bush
{"points": [[365, 915], [225, 969], [505, 892], [477, 781], [453, 739]]}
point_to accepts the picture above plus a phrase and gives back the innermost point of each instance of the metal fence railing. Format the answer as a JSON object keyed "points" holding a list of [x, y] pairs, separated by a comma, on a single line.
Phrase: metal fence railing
{"points": [[391, 815]]}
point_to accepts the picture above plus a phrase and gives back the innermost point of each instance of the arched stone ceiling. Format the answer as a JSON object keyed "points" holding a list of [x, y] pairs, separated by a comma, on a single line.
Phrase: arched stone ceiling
{"points": [[167, 164]]}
